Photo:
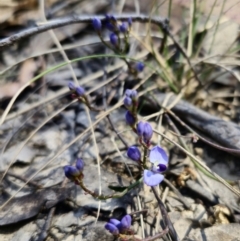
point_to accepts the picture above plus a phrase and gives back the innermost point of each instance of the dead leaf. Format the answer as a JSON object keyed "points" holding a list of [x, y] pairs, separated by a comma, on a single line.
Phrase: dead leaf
{"points": [[26, 73]]}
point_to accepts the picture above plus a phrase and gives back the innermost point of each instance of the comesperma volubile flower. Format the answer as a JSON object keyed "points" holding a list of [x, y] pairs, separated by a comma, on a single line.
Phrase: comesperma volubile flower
{"points": [[134, 153], [97, 24], [123, 27], [127, 102], [144, 131], [80, 91], [130, 22], [131, 93], [139, 66], [74, 172], [112, 228], [71, 85], [130, 119], [116, 227], [113, 39], [71, 172], [79, 164], [159, 161], [110, 22]]}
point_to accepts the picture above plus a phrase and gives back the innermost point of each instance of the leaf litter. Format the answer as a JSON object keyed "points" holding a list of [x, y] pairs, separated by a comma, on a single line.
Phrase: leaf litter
{"points": [[213, 208]]}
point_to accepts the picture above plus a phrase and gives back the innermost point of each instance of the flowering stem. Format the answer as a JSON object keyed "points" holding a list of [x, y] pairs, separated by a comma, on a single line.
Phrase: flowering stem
{"points": [[145, 156], [104, 197]]}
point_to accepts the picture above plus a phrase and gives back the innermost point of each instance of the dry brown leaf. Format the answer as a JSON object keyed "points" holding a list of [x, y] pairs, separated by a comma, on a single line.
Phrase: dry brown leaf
{"points": [[26, 73], [9, 7], [9, 89]]}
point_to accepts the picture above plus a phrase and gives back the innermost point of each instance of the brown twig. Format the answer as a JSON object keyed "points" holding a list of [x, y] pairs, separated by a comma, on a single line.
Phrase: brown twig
{"points": [[166, 219], [162, 22]]}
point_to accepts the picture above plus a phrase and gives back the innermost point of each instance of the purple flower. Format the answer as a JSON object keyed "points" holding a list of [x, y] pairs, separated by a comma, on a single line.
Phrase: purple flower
{"points": [[130, 119], [139, 66], [130, 21], [131, 93], [115, 226], [80, 164], [134, 94], [159, 160], [127, 101], [112, 228], [126, 222], [128, 93], [71, 85], [113, 39], [71, 172], [80, 91], [134, 153], [123, 27], [97, 24], [145, 131], [110, 17]]}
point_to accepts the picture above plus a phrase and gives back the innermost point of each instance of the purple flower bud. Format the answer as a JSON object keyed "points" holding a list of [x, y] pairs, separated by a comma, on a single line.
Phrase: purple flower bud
{"points": [[71, 85], [131, 93], [123, 27], [145, 131], [97, 24], [139, 66], [126, 222], [71, 172], [112, 228], [134, 94], [107, 17], [128, 93], [80, 164], [113, 39], [110, 26], [80, 91], [134, 153], [115, 222], [130, 119], [127, 101], [110, 22], [113, 18], [130, 21]]}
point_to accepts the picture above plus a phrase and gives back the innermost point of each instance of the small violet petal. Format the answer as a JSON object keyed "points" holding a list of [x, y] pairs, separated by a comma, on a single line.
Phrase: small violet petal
{"points": [[123, 27], [80, 91], [152, 179], [114, 222], [97, 24], [127, 101], [71, 85], [128, 93], [79, 164], [126, 222], [71, 172], [130, 21], [134, 94], [112, 228], [158, 155]]}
